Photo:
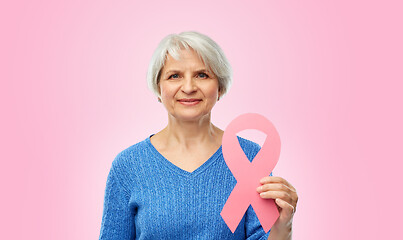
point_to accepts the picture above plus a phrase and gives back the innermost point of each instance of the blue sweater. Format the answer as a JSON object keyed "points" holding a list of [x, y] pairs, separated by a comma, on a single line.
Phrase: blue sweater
{"points": [[148, 197]]}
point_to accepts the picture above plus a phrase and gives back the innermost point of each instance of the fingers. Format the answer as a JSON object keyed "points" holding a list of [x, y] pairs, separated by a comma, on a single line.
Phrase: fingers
{"points": [[273, 186], [283, 200], [279, 189], [271, 179], [276, 194]]}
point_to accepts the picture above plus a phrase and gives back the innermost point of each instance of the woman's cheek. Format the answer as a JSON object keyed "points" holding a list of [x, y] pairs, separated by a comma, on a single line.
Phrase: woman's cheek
{"points": [[164, 91]]}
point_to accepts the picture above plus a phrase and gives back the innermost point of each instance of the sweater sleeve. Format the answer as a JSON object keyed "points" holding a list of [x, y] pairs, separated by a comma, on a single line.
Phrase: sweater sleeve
{"points": [[117, 219], [254, 230]]}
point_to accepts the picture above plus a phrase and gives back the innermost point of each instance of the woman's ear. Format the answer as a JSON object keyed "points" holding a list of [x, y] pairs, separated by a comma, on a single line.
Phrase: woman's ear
{"points": [[159, 91]]}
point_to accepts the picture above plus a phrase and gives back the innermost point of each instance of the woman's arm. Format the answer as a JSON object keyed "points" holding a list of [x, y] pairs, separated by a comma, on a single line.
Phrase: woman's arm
{"points": [[117, 220], [278, 233]]}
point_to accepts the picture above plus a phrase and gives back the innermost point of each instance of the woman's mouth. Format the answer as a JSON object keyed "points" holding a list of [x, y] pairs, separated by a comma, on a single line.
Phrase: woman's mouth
{"points": [[189, 102]]}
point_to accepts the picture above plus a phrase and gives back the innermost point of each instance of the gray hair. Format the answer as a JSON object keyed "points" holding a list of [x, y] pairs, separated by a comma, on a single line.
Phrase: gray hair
{"points": [[208, 50]]}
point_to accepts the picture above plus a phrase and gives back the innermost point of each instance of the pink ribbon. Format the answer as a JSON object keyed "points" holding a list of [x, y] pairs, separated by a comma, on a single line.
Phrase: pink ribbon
{"points": [[248, 174]]}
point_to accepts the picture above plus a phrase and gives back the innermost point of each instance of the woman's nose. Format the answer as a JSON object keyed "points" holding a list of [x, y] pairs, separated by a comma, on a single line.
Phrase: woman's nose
{"points": [[189, 85]]}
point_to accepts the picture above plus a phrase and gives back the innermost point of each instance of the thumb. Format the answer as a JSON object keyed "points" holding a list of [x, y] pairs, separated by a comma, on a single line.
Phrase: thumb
{"points": [[287, 209]]}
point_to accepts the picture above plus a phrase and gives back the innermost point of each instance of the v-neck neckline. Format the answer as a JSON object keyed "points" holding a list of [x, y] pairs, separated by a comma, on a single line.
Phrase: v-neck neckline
{"points": [[179, 170]]}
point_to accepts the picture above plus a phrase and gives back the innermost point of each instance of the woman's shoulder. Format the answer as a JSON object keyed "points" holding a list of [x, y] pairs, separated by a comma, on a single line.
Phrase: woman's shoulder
{"points": [[249, 147], [129, 155], [246, 143]]}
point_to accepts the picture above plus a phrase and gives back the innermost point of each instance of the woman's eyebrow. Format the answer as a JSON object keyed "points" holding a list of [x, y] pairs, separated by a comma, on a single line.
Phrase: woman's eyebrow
{"points": [[170, 71]]}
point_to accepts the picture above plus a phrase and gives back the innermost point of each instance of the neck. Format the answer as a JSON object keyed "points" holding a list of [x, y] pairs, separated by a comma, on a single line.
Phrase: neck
{"points": [[191, 133]]}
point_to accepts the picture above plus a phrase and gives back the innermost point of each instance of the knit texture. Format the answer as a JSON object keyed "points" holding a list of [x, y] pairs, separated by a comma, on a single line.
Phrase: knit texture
{"points": [[148, 197]]}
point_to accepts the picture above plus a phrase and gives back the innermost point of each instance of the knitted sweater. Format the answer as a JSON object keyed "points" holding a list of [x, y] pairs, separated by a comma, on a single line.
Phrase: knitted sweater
{"points": [[148, 197]]}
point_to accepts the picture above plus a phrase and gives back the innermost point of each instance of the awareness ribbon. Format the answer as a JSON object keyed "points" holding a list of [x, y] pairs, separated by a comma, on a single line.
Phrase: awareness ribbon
{"points": [[248, 174]]}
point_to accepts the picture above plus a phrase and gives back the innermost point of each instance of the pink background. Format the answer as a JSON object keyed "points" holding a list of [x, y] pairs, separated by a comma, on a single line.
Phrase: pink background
{"points": [[73, 94]]}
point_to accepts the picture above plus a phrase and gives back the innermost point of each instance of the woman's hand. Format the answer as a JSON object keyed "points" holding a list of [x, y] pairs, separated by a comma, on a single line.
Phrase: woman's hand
{"points": [[286, 199]]}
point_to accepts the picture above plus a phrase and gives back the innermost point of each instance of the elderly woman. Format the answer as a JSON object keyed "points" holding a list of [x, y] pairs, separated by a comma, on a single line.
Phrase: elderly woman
{"points": [[174, 184]]}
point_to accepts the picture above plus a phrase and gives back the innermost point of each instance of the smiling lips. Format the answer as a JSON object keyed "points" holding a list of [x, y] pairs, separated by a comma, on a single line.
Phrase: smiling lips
{"points": [[189, 101]]}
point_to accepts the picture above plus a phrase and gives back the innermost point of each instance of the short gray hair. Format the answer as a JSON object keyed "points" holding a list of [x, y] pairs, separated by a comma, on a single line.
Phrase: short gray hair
{"points": [[208, 50]]}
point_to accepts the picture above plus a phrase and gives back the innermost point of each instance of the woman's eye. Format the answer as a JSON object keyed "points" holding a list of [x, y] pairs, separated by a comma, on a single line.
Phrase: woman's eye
{"points": [[174, 76], [202, 75]]}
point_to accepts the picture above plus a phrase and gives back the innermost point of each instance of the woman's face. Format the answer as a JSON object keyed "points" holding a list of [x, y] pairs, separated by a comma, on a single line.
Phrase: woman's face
{"points": [[187, 90]]}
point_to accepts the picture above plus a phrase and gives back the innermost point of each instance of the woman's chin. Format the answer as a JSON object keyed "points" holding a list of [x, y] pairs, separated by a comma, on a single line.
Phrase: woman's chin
{"points": [[191, 117]]}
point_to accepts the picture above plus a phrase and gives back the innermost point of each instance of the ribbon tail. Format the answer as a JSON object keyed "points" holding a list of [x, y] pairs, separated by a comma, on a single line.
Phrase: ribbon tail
{"points": [[267, 213], [235, 208]]}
